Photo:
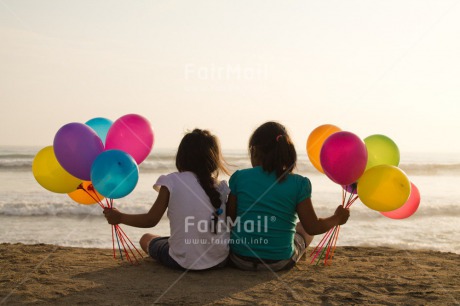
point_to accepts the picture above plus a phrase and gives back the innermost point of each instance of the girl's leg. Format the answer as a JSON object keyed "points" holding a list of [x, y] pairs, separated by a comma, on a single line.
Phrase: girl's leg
{"points": [[300, 230], [145, 241]]}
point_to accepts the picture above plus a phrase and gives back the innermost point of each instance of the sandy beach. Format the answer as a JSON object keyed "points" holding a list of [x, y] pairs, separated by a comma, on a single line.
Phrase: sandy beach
{"points": [[48, 274]]}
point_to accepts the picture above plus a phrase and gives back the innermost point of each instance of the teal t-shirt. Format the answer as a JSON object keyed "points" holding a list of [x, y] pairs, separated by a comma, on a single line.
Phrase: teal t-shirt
{"points": [[266, 213]]}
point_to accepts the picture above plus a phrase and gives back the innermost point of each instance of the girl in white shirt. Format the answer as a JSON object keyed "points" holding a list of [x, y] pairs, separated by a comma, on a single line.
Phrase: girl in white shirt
{"points": [[196, 208]]}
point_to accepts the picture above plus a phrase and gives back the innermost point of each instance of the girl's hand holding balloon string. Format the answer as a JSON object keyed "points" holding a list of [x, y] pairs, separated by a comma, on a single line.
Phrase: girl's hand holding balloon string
{"points": [[342, 214], [113, 215]]}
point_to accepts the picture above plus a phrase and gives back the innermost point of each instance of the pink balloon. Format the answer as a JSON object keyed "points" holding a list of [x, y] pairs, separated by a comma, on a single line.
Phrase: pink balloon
{"points": [[343, 157], [131, 134], [409, 208]]}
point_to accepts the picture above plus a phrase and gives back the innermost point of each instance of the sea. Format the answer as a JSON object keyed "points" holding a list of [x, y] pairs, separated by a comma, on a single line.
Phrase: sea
{"points": [[30, 214]]}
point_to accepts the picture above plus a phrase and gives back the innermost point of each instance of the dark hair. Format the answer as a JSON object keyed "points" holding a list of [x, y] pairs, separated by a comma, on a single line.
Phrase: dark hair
{"points": [[199, 152], [271, 147]]}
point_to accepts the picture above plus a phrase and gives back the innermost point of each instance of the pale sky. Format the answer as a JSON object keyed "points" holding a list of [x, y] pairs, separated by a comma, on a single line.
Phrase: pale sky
{"points": [[387, 67]]}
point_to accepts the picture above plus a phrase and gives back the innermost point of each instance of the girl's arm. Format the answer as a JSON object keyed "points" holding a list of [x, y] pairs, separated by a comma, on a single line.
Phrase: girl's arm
{"points": [[231, 207], [314, 225], [150, 219]]}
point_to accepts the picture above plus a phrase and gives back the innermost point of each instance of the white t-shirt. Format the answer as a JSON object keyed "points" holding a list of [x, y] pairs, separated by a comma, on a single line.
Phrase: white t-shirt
{"points": [[193, 243]]}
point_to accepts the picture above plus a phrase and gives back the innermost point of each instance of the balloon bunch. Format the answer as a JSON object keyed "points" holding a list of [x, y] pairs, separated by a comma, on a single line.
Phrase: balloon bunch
{"points": [[97, 162], [367, 170]]}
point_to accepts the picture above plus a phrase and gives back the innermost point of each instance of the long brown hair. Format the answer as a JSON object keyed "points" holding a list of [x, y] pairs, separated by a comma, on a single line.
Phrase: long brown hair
{"points": [[199, 152], [271, 146]]}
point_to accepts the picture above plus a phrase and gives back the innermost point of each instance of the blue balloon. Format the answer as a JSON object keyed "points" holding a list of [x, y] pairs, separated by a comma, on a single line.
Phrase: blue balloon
{"points": [[114, 174], [101, 126]]}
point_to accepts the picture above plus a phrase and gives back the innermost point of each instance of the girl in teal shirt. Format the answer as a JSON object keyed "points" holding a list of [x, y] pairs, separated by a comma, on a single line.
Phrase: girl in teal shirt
{"points": [[266, 200]]}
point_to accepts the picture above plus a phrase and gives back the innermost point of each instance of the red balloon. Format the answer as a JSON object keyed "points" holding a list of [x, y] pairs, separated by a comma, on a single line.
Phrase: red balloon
{"points": [[343, 157], [409, 208]]}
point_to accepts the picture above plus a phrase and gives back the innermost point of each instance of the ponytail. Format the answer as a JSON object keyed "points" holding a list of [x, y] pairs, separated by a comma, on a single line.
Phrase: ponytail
{"points": [[272, 148], [208, 185]]}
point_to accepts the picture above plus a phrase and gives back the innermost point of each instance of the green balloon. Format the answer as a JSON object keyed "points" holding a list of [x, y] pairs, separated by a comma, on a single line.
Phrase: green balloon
{"points": [[381, 150]]}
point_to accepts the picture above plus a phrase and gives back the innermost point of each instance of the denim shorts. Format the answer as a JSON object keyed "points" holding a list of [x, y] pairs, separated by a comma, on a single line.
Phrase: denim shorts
{"points": [[258, 264], [159, 250]]}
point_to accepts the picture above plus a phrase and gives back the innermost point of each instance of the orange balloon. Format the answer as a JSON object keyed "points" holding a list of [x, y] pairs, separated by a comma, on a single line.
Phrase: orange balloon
{"points": [[315, 142], [86, 194]]}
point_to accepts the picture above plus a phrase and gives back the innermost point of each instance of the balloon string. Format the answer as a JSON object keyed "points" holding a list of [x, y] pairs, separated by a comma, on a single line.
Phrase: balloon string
{"points": [[123, 244], [113, 242], [123, 239], [122, 247], [320, 256], [98, 202], [319, 247], [129, 247], [351, 194], [323, 250], [319, 244], [118, 242], [117, 231], [126, 246], [335, 243], [130, 241], [331, 246], [324, 240], [352, 201], [327, 246]]}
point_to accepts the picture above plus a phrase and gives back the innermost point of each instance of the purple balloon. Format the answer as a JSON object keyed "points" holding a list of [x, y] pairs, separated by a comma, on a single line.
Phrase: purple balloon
{"points": [[76, 146], [351, 188], [343, 157]]}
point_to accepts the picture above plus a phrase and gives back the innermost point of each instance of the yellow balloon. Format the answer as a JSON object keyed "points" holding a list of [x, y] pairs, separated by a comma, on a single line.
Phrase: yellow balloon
{"points": [[86, 194], [50, 174], [384, 188], [315, 142]]}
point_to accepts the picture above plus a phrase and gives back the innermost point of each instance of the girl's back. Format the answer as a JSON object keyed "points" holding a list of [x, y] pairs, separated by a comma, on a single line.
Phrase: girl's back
{"points": [[265, 201], [266, 212], [193, 243], [195, 202]]}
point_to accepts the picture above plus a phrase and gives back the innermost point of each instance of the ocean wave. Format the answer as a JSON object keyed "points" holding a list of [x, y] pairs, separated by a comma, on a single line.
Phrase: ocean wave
{"points": [[68, 207], [61, 207], [165, 162], [430, 169]]}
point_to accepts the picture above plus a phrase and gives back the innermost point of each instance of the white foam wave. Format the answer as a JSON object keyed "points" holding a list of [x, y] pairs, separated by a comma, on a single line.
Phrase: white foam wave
{"points": [[63, 207]]}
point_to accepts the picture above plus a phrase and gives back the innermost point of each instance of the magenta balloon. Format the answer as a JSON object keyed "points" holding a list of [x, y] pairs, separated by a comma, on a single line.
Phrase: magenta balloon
{"points": [[343, 157], [409, 208], [131, 134], [76, 146]]}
